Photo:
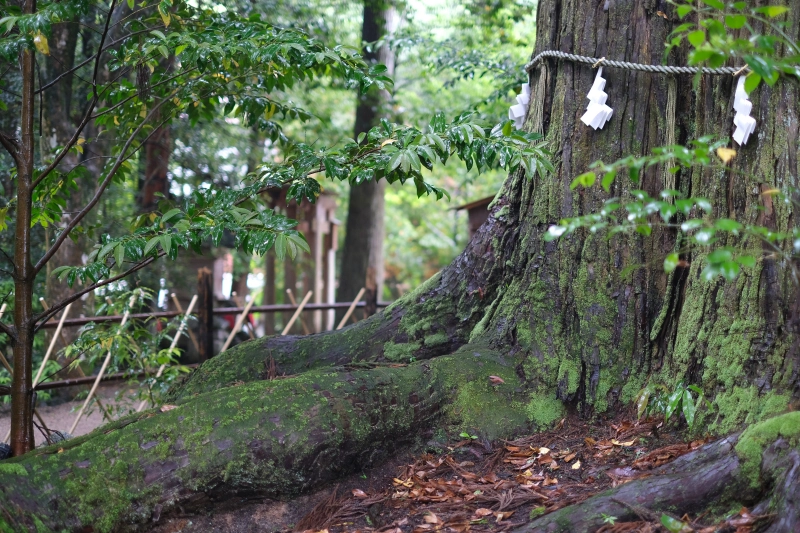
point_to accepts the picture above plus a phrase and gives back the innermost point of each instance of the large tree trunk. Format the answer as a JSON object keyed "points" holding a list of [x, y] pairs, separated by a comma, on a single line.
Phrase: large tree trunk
{"points": [[362, 254], [561, 324]]}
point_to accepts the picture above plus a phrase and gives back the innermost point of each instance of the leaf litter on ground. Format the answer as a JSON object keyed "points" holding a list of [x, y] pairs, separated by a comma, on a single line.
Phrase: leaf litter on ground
{"points": [[474, 486]]}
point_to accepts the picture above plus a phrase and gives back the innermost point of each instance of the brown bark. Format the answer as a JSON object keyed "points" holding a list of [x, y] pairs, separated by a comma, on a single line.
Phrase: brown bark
{"points": [[157, 151], [21, 384], [362, 253]]}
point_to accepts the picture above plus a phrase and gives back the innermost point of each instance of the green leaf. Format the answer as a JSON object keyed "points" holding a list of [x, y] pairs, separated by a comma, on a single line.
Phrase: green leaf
{"points": [[105, 250], [119, 255], [704, 204], [697, 38], [720, 256], [752, 82], [673, 402], [726, 224], [166, 243], [735, 21], [671, 524], [641, 402], [586, 179], [671, 262], [730, 270], [280, 246], [772, 11], [684, 10], [689, 408], [716, 4], [747, 261], [608, 179], [394, 161], [169, 215], [152, 243]]}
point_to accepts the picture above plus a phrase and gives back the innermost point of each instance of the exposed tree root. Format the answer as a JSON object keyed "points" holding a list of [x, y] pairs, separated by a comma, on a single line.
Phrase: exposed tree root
{"points": [[758, 468], [270, 438]]}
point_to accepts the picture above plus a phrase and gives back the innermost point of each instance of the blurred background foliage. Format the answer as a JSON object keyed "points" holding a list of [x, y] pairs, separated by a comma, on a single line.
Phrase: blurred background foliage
{"points": [[452, 57]]}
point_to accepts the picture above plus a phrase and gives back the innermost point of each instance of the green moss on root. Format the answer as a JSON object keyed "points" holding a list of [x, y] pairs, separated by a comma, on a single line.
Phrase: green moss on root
{"points": [[757, 437]]}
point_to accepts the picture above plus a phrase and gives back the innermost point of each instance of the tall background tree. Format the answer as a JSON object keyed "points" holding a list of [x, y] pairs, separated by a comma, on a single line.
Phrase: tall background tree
{"points": [[362, 254]]}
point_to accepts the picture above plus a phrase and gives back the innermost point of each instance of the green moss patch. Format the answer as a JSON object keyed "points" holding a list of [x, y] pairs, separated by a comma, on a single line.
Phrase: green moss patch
{"points": [[757, 437]]}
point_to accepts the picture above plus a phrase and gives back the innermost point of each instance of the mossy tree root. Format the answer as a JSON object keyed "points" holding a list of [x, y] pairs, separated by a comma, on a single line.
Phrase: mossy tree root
{"points": [[272, 439], [759, 469]]}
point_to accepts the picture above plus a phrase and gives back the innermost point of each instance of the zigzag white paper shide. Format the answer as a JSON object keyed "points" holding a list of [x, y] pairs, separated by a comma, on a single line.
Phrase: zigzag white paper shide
{"points": [[745, 124], [597, 112], [517, 112]]}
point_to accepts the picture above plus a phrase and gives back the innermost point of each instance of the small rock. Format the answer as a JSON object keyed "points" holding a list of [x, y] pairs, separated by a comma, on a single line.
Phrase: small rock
{"points": [[58, 436]]}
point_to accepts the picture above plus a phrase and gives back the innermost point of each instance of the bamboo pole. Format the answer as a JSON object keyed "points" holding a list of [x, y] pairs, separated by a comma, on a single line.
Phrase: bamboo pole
{"points": [[59, 332], [302, 320], [179, 307], [351, 308], [297, 313], [174, 343], [52, 342], [102, 369], [238, 325]]}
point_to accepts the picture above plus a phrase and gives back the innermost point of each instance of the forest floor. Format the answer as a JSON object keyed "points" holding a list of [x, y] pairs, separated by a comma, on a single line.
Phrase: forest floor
{"points": [[479, 486], [59, 416]]}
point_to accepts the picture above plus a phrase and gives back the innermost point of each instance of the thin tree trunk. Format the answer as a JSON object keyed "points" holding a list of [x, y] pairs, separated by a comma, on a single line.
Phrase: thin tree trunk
{"points": [[21, 384], [362, 253]]}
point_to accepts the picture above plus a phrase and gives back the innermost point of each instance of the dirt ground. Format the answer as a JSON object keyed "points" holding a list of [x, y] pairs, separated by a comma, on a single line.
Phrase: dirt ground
{"points": [[60, 417]]}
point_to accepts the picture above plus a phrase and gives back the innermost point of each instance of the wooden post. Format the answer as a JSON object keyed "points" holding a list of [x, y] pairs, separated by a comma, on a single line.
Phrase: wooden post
{"points": [[269, 291], [205, 313], [290, 294], [238, 325], [102, 368], [351, 308], [78, 369], [174, 342], [179, 307], [297, 313], [52, 344]]}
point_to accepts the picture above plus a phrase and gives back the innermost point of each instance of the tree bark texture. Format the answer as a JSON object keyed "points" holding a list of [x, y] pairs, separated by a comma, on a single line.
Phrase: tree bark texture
{"points": [[561, 323], [22, 381], [362, 253]]}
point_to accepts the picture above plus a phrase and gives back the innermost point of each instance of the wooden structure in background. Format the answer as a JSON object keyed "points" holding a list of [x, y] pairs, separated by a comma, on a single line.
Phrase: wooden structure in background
{"points": [[477, 213], [314, 272]]}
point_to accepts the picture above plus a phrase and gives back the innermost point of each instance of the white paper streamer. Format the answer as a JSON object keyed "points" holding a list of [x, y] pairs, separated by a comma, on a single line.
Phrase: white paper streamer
{"points": [[597, 112], [745, 124], [517, 112]]}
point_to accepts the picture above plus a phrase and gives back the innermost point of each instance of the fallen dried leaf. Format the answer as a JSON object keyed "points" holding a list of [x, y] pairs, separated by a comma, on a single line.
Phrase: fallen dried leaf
{"points": [[167, 407], [570, 457], [615, 442], [576, 465], [431, 518], [549, 481], [496, 380], [358, 493], [483, 511]]}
